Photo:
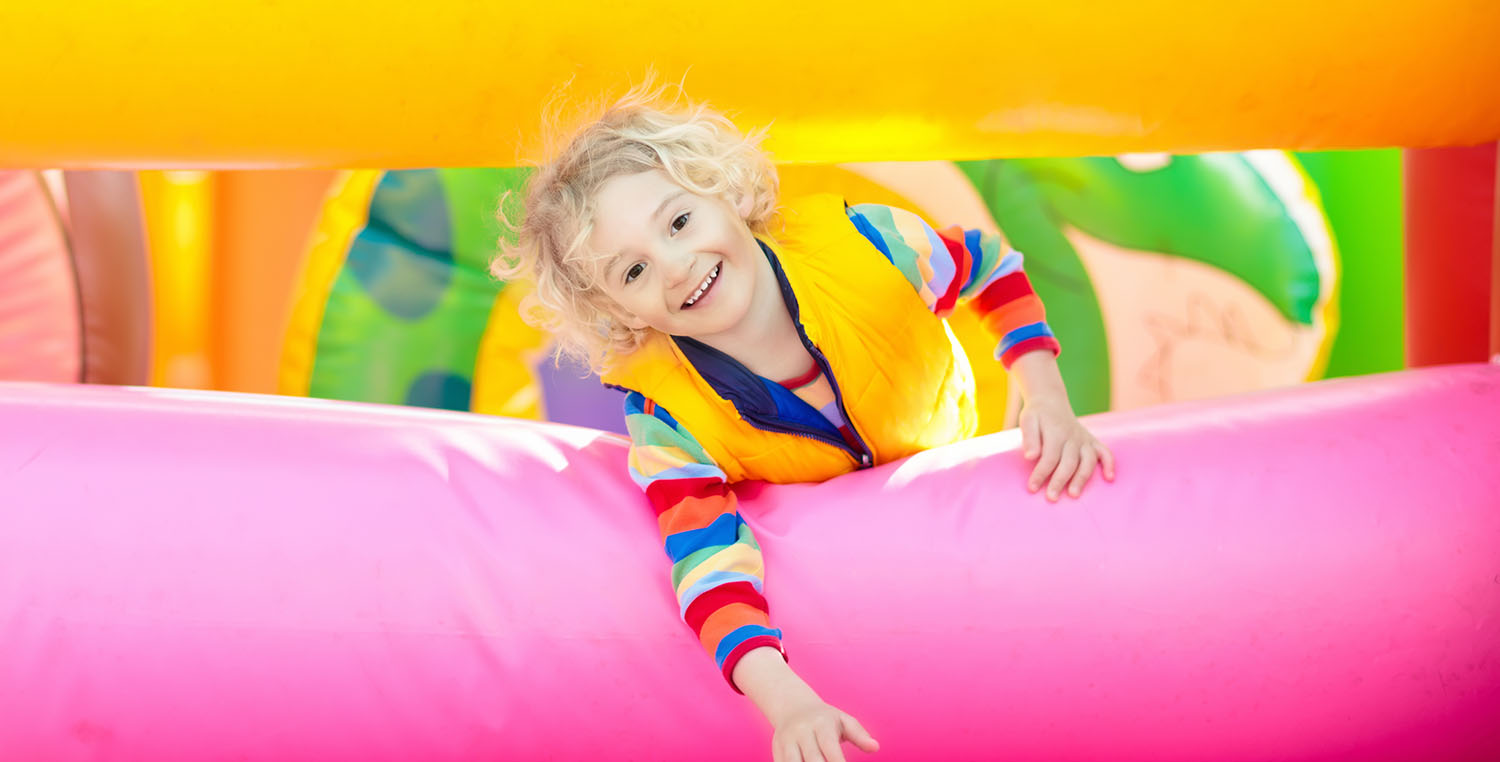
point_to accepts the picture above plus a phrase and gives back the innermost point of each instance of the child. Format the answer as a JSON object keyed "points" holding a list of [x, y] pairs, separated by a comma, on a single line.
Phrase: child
{"points": [[755, 341]]}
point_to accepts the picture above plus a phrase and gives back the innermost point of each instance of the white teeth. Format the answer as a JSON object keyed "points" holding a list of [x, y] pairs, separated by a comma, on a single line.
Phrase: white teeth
{"points": [[706, 281]]}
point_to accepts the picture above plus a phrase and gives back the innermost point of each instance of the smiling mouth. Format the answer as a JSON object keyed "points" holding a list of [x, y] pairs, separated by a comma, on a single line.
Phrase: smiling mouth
{"points": [[704, 287]]}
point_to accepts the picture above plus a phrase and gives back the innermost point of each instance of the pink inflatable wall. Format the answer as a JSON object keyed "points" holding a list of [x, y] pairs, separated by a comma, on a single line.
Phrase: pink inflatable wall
{"points": [[1310, 574]]}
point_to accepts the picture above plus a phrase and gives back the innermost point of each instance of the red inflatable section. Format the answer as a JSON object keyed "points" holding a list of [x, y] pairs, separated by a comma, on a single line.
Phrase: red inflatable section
{"points": [[1450, 207]]}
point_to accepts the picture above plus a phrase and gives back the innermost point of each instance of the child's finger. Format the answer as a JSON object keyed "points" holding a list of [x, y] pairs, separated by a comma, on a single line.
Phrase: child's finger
{"points": [[1107, 460], [828, 745], [856, 734], [1066, 466], [1051, 452], [790, 752], [1031, 436], [1088, 458], [809, 750]]}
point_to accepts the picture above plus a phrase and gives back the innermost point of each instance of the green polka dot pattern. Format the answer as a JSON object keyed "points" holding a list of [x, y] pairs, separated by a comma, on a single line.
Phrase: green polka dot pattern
{"points": [[408, 308]]}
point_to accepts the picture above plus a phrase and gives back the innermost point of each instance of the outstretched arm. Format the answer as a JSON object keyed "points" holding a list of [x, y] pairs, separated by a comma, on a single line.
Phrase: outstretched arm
{"points": [[717, 573], [717, 570]]}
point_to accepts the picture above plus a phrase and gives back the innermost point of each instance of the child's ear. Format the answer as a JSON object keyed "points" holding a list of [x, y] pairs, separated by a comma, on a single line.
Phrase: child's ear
{"points": [[745, 204], [626, 317]]}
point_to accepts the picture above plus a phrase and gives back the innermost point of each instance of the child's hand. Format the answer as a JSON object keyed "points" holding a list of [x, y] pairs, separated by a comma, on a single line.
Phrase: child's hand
{"points": [[813, 732], [1065, 452], [807, 728]]}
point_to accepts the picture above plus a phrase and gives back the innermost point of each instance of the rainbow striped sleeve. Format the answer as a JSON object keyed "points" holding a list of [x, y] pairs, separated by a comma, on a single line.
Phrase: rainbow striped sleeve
{"points": [[717, 570], [954, 264]]}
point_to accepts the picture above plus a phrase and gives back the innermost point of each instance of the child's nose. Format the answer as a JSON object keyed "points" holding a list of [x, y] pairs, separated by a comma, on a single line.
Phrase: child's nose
{"points": [[679, 267]]}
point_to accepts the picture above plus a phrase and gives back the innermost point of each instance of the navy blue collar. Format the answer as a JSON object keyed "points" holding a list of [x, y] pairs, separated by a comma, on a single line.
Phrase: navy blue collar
{"points": [[728, 377]]}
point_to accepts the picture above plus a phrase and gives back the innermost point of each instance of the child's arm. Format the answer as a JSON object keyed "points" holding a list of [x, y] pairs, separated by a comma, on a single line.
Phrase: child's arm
{"points": [[953, 265], [717, 572]]}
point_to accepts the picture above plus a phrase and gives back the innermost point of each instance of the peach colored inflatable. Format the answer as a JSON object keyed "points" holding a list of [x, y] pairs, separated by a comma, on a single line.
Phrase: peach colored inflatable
{"points": [[39, 315]]}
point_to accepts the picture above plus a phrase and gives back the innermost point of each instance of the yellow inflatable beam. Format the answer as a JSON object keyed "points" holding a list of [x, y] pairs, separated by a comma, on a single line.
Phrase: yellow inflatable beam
{"points": [[386, 83]]}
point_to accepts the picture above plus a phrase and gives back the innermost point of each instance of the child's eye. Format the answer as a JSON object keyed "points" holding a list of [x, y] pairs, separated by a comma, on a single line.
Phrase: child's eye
{"points": [[634, 272], [679, 222]]}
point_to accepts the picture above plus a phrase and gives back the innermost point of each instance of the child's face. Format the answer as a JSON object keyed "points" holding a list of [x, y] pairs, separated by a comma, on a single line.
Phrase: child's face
{"points": [[680, 263]]}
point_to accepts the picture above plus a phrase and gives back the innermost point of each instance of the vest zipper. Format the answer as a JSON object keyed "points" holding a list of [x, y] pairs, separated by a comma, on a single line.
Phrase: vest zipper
{"points": [[864, 454], [779, 427]]}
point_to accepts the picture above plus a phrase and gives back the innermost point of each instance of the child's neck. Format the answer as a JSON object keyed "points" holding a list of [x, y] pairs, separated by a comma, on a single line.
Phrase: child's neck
{"points": [[775, 352], [767, 343]]}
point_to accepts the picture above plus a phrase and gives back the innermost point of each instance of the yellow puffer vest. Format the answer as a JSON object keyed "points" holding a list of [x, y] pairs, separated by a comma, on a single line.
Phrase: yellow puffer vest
{"points": [[905, 383]]}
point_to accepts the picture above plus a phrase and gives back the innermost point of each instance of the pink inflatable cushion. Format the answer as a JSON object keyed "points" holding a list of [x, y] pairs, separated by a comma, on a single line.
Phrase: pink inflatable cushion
{"points": [[1310, 574]]}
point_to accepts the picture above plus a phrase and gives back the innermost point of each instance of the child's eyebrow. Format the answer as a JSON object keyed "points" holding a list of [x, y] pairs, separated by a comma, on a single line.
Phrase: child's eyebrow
{"points": [[616, 258], [666, 201]]}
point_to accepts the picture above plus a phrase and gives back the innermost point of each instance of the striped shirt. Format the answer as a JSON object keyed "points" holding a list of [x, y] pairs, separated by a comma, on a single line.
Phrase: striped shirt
{"points": [[717, 570]]}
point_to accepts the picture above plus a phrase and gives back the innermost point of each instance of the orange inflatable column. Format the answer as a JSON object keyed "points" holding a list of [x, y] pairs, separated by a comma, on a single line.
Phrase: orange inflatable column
{"points": [[1450, 208], [179, 224], [263, 221]]}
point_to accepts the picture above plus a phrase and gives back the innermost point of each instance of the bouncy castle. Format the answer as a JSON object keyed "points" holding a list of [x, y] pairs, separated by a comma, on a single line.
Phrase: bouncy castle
{"points": [[374, 522]]}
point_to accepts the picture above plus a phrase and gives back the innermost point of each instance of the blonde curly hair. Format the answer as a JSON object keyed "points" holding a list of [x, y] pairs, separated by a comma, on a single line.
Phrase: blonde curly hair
{"points": [[697, 147]]}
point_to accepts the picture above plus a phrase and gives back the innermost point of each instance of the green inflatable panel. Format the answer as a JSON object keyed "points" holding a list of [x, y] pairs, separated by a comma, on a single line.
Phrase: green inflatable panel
{"points": [[1216, 209], [405, 314]]}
